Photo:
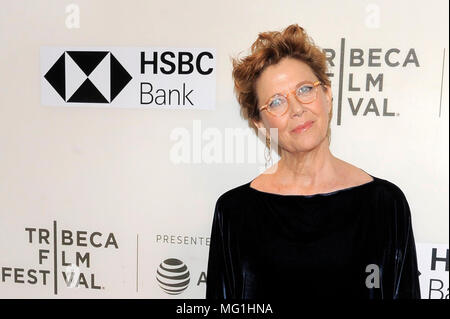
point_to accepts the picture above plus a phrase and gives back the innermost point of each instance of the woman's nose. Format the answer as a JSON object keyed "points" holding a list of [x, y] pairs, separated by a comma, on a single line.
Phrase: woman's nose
{"points": [[296, 107]]}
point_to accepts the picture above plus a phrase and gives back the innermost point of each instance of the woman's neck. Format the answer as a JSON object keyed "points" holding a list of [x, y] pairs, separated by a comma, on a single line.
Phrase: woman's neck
{"points": [[307, 170]]}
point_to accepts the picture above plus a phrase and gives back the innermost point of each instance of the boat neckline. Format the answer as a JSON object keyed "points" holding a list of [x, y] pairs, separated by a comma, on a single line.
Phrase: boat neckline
{"points": [[317, 194]]}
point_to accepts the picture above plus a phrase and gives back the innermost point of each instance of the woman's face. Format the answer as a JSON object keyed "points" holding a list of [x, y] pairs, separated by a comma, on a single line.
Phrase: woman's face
{"points": [[282, 78]]}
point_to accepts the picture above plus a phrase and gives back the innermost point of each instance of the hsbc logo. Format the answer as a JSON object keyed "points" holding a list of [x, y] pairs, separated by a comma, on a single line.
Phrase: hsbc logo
{"points": [[175, 78], [87, 76]]}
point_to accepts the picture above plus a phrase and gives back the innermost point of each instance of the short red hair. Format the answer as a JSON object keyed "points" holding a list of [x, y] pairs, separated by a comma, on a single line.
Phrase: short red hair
{"points": [[268, 49]]}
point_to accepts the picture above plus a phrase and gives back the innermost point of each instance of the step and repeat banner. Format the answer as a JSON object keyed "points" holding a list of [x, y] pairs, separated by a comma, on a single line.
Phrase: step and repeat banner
{"points": [[119, 130]]}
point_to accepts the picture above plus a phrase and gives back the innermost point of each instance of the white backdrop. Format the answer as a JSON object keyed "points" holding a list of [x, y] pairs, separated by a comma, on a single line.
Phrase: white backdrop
{"points": [[105, 183]]}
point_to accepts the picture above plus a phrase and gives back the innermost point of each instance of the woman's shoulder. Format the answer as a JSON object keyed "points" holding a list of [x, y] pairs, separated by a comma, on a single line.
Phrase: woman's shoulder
{"points": [[380, 185], [383, 189], [234, 195], [393, 202], [233, 201], [389, 188]]}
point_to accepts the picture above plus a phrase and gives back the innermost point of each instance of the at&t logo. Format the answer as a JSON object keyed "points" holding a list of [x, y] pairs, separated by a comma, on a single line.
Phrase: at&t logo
{"points": [[173, 276]]}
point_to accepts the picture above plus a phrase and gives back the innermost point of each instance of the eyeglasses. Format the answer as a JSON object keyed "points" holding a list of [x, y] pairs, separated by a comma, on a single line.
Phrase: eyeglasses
{"points": [[305, 92]]}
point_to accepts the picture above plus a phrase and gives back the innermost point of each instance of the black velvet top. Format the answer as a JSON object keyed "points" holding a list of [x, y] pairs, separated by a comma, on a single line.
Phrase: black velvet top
{"points": [[352, 243]]}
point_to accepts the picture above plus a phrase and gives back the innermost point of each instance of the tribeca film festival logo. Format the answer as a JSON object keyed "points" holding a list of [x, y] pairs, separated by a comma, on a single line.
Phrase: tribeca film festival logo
{"points": [[365, 90], [58, 259], [128, 77]]}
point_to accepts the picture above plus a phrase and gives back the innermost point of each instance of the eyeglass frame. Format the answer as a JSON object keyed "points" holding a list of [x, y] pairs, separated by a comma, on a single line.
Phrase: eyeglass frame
{"points": [[266, 107]]}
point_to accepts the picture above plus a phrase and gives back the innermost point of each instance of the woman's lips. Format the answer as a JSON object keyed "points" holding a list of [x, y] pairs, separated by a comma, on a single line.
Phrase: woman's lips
{"points": [[303, 127]]}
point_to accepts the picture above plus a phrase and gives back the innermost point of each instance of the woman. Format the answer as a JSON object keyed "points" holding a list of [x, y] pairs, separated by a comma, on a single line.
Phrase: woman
{"points": [[316, 226]]}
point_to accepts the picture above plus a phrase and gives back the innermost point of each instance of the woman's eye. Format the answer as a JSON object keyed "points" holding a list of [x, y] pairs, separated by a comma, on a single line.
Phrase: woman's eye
{"points": [[276, 102], [304, 89]]}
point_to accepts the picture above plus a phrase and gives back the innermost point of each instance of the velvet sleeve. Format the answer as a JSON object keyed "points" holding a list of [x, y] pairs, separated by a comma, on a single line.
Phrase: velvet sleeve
{"points": [[219, 280], [405, 270]]}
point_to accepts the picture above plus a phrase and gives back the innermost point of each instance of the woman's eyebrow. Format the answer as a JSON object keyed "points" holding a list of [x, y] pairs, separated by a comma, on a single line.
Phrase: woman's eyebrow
{"points": [[293, 88], [278, 93]]}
